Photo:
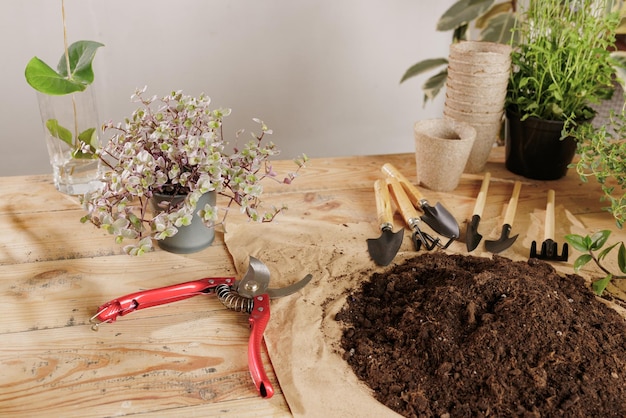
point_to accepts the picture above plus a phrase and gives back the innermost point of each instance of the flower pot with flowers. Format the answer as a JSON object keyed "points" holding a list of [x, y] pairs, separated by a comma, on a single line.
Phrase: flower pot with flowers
{"points": [[167, 163]]}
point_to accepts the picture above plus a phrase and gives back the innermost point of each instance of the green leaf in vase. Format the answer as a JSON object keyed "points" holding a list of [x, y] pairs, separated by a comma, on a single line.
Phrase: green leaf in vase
{"points": [[60, 132]]}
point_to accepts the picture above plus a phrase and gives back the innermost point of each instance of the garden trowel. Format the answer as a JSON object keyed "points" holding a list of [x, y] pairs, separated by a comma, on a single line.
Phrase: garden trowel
{"points": [[384, 249], [472, 237], [505, 240], [437, 217]]}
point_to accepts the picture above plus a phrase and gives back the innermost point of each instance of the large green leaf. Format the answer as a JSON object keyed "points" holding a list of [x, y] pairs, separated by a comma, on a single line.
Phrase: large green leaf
{"points": [[60, 132], [599, 285], [496, 10], [578, 242], [46, 80], [499, 29], [43, 78], [621, 258], [598, 239], [434, 84], [581, 261], [89, 137], [81, 55], [423, 66], [461, 13]]}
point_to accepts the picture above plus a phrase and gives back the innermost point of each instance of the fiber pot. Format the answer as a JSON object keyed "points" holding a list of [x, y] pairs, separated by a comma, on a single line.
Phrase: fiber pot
{"points": [[476, 86], [191, 238], [481, 53], [442, 147], [534, 148]]}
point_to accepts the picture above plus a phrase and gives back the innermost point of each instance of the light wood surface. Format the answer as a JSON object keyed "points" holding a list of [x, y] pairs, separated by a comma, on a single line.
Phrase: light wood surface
{"points": [[188, 358]]}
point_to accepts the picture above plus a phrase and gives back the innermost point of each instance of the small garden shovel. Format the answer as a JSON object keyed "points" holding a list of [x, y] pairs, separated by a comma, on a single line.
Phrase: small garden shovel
{"points": [[505, 240], [437, 217], [384, 249], [472, 237]]}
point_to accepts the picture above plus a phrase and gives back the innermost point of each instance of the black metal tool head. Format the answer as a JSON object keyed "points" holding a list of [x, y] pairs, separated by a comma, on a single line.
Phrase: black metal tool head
{"points": [[440, 220], [472, 237], [549, 251], [420, 237], [504, 242], [384, 248]]}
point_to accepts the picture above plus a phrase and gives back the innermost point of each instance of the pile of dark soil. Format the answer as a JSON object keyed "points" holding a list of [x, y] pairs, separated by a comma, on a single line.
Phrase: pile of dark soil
{"points": [[462, 336]]}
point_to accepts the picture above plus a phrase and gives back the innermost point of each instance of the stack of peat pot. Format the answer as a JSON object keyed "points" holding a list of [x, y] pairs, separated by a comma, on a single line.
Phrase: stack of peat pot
{"points": [[478, 75]]}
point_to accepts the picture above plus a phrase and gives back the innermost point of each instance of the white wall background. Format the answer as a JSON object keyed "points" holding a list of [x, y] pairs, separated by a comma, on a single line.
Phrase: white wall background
{"points": [[323, 74]]}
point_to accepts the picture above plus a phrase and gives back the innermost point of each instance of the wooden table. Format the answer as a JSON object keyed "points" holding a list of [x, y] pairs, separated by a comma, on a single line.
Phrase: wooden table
{"points": [[188, 358]]}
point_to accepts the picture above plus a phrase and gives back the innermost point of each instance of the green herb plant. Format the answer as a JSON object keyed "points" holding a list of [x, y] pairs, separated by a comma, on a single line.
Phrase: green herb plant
{"points": [[74, 73], [562, 64], [589, 245], [602, 155], [492, 19]]}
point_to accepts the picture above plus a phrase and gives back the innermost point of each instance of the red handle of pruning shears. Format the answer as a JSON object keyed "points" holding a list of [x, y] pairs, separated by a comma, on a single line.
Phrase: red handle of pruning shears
{"points": [[258, 319], [154, 297]]}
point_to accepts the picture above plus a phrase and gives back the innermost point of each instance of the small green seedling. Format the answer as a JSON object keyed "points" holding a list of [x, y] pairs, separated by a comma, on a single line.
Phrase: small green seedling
{"points": [[589, 245]]}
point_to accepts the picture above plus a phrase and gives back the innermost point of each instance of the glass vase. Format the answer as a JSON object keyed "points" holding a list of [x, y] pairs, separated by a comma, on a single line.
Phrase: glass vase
{"points": [[68, 121]]}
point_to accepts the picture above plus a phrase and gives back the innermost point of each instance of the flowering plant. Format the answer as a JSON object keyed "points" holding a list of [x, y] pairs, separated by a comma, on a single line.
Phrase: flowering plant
{"points": [[175, 145]]}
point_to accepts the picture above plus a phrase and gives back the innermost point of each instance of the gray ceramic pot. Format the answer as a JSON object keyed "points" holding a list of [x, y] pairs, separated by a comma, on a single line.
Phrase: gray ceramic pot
{"points": [[191, 238]]}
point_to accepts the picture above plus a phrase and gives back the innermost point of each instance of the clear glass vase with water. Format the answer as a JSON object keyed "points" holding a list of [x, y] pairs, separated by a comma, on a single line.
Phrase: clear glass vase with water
{"points": [[72, 132]]}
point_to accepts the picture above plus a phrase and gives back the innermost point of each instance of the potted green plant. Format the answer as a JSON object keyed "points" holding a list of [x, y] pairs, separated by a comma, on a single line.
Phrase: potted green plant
{"points": [[69, 113], [562, 66], [174, 148], [492, 20]]}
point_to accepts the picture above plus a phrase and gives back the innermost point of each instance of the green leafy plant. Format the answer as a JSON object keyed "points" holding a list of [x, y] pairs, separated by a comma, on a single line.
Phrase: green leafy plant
{"points": [[602, 155], [562, 64], [78, 57], [494, 21], [175, 145], [589, 246], [74, 73]]}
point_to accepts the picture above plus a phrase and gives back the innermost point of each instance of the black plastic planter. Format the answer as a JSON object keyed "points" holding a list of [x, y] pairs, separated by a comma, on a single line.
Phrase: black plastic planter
{"points": [[534, 148]]}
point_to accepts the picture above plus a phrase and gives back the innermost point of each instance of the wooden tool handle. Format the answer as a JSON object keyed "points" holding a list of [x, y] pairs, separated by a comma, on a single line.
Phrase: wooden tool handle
{"points": [[549, 226], [383, 204], [413, 193], [402, 201], [481, 199], [509, 216]]}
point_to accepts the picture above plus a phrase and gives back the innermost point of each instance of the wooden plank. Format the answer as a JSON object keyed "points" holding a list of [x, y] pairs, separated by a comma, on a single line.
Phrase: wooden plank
{"points": [[136, 365], [65, 293], [33, 194]]}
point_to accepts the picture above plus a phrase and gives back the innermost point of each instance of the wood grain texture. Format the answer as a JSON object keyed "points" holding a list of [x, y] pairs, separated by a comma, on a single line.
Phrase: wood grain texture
{"points": [[188, 358]]}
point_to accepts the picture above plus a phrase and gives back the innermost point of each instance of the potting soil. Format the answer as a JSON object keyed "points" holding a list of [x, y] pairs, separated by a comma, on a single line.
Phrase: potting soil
{"points": [[462, 336]]}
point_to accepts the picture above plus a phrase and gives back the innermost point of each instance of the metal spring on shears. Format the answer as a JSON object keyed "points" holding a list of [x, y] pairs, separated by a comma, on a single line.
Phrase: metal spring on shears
{"points": [[233, 300]]}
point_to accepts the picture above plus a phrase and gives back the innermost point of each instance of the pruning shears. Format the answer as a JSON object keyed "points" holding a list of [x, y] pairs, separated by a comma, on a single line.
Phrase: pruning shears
{"points": [[251, 295]]}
